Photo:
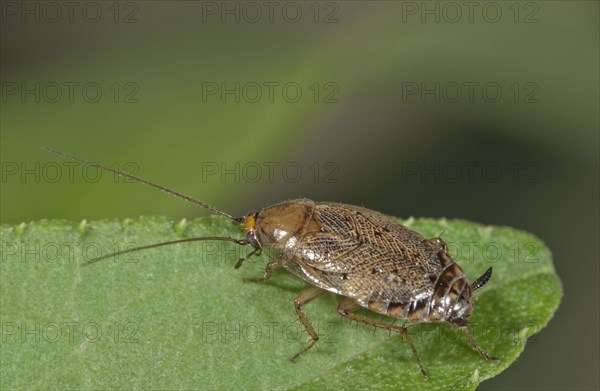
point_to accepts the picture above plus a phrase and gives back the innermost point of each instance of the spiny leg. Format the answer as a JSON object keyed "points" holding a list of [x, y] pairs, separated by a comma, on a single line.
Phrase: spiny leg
{"points": [[304, 297], [347, 305], [476, 346], [268, 272]]}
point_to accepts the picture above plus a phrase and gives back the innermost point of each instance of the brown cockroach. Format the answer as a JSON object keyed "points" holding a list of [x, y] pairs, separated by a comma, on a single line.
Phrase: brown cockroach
{"points": [[370, 260]]}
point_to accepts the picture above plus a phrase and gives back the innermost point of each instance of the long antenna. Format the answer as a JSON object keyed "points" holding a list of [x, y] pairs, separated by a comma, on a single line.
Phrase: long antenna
{"points": [[137, 179], [242, 242]]}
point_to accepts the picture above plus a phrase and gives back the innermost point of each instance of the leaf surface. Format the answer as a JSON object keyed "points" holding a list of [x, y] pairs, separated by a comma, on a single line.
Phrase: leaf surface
{"points": [[180, 316]]}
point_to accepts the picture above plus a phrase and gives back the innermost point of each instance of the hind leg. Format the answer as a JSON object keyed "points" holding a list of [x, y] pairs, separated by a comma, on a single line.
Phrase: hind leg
{"points": [[346, 307], [475, 346]]}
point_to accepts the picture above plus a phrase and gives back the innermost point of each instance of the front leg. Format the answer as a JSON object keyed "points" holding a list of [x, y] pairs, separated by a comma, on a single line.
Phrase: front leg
{"points": [[268, 272]]}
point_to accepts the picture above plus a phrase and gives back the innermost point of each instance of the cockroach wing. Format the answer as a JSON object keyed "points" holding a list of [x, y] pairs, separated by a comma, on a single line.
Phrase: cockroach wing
{"points": [[365, 255]]}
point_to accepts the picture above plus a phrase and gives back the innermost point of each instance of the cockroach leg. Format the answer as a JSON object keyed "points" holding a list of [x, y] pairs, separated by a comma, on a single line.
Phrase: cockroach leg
{"points": [[304, 297], [239, 262], [475, 346], [346, 306], [268, 272]]}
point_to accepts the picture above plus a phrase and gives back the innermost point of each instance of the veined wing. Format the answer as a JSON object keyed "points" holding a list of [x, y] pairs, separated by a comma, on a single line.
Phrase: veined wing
{"points": [[365, 255]]}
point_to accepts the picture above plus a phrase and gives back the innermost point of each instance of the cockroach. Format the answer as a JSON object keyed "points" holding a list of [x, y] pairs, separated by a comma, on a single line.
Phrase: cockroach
{"points": [[370, 260]]}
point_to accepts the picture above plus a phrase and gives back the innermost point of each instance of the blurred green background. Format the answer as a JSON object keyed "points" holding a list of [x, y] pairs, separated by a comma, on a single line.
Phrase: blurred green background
{"points": [[150, 87]]}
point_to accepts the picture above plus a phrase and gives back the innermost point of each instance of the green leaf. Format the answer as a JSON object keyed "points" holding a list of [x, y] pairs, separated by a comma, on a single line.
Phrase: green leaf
{"points": [[180, 316]]}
